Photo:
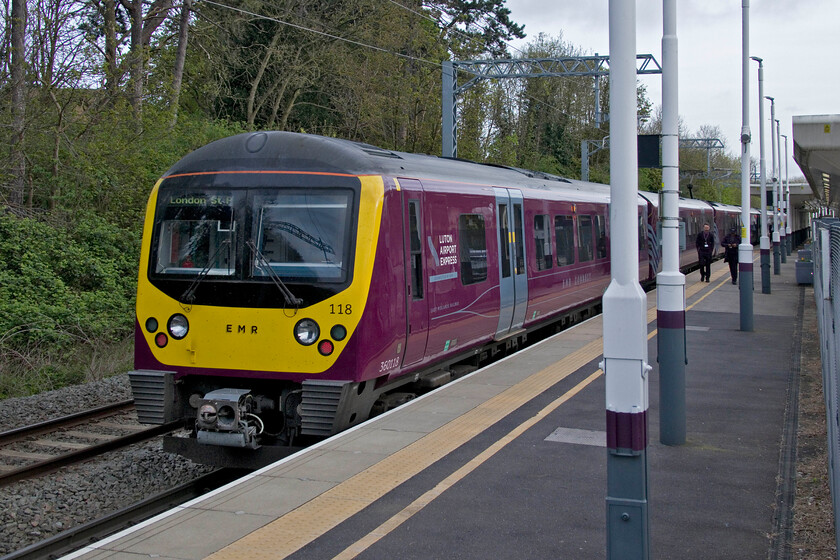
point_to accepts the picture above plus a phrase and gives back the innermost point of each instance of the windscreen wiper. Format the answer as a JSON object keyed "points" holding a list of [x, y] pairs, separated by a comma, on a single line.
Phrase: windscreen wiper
{"points": [[287, 294], [188, 297]]}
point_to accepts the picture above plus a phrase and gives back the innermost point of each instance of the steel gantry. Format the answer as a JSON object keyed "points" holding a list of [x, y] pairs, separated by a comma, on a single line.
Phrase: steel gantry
{"points": [[707, 144], [595, 65], [590, 147]]}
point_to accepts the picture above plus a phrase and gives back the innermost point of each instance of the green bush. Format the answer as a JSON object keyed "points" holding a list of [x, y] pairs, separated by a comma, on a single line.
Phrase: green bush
{"points": [[66, 294], [68, 272], [60, 284]]}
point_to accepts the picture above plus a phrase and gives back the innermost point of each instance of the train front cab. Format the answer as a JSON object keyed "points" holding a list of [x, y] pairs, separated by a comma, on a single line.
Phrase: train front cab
{"points": [[246, 291]]}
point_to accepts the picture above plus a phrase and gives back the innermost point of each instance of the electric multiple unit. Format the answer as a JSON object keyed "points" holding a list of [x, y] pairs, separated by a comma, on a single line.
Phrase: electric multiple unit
{"points": [[291, 285]]}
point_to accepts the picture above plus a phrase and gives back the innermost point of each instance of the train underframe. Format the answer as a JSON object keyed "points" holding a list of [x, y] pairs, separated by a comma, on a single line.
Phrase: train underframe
{"points": [[249, 423]]}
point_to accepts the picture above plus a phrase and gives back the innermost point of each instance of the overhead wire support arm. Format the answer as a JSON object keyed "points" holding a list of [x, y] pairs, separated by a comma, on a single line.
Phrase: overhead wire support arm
{"points": [[701, 143], [595, 65], [707, 144]]}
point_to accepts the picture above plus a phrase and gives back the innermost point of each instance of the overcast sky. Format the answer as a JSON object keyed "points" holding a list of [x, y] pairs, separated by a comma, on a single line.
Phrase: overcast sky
{"points": [[799, 41]]}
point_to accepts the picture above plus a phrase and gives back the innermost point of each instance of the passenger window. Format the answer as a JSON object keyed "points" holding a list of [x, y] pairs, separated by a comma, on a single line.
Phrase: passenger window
{"points": [[600, 237], [585, 238], [542, 240], [473, 251], [564, 233]]}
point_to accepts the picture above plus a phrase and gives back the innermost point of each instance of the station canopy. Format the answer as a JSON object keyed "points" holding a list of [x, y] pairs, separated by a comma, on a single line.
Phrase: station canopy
{"points": [[816, 149]]}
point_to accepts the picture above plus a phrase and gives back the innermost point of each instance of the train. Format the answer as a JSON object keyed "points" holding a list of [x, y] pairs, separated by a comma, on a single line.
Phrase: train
{"points": [[292, 285]]}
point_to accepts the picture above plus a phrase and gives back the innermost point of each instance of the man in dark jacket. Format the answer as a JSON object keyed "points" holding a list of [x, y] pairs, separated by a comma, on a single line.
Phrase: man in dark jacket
{"points": [[730, 244], [705, 249]]}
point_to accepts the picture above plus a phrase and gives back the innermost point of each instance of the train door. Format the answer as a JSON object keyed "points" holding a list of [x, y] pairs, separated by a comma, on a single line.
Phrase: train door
{"points": [[513, 282], [417, 301]]}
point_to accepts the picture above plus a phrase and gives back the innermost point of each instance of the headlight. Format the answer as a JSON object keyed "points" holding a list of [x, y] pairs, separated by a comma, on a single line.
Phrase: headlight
{"points": [[178, 326], [227, 417], [307, 332], [207, 415]]}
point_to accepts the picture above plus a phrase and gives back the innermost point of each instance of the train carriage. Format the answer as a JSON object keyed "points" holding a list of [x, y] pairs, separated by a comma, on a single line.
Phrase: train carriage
{"points": [[290, 285]]}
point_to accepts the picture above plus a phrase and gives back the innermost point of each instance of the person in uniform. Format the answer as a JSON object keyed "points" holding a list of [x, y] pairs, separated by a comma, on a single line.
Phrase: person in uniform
{"points": [[730, 245], [705, 249]]}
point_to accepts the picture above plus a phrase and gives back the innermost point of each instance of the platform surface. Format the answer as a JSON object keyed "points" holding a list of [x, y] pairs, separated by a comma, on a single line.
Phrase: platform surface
{"points": [[510, 462]]}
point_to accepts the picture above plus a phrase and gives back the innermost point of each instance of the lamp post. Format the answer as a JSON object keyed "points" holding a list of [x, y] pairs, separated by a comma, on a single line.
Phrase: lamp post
{"points": [[781, 195], [788, 247], [764, 241], [777, 263], [745, 250]]}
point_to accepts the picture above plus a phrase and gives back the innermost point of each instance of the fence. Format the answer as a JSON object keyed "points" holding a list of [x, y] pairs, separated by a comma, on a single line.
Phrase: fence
{"points": [[826, 255]]}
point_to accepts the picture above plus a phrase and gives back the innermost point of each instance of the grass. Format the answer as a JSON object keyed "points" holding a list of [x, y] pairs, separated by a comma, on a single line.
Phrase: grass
{"points": [[36, 368]]}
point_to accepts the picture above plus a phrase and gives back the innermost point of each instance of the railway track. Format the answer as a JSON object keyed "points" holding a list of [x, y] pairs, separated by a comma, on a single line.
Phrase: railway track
{"points": [[31, 451], [77, 537]]}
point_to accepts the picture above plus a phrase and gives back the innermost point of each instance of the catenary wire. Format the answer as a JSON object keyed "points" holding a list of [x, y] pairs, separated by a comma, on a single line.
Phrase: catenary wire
{"points": [[322, 33], [359, 43]]}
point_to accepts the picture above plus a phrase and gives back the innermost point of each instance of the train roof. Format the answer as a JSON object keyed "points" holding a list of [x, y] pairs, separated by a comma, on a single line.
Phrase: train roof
{"points": [[726, 207], [276, 150], [651, 197], [695, 203]]}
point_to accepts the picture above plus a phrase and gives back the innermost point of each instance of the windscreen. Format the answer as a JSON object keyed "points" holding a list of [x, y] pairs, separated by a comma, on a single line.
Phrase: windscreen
{"points": [[303, 235], [196, 234]]}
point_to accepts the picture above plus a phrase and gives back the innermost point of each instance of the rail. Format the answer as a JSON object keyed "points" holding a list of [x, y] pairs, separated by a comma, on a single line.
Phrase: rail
{"points": [[30, 464]]}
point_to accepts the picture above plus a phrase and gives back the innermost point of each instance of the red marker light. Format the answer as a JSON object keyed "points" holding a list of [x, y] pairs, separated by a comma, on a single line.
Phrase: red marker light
{"points": [[325, 347], [161, 340]]}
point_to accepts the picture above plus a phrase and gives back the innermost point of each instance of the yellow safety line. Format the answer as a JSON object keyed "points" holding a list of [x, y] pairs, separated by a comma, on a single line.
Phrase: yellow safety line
{"points": [[303, 525], [296, 529], [374, 536], [417, 505]]}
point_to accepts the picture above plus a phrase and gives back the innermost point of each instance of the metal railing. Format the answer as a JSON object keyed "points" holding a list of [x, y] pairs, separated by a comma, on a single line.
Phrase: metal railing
{"points": [[825, 251]]}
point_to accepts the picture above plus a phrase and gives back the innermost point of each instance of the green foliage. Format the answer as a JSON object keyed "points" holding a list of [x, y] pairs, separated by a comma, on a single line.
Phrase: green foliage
{"points": [[93, 150], [66, 295], [68, 270], [63, 285], [650, 180]]}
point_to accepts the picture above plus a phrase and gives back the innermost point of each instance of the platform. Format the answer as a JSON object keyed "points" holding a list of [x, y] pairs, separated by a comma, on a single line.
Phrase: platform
{"points": [[510, 462]]}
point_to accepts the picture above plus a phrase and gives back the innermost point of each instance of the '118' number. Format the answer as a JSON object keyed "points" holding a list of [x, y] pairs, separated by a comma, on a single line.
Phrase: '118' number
{"points": [[345, 309]]}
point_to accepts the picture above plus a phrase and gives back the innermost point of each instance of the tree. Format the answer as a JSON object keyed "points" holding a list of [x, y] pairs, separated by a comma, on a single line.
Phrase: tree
{"points": [[475, 26], [18, 106], [180, 58], [111, 69], [555, 114], [142, 29]]}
